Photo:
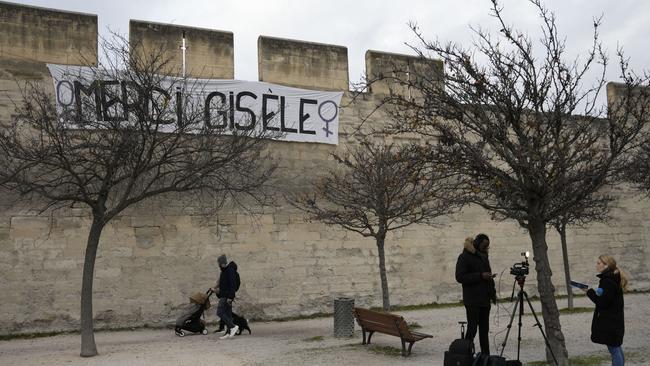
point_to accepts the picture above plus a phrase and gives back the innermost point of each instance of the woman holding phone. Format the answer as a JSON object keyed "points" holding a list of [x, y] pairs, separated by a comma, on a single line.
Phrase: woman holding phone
{"points": [[608, 325]]}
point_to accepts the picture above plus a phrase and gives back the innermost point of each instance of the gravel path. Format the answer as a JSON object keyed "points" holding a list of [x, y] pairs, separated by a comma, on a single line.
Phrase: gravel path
{"points": [[310, 342]]}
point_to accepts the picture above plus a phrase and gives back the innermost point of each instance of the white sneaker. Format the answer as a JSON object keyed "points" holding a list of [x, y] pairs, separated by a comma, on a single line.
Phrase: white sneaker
{"points": [[230, 334], [234, 330]]}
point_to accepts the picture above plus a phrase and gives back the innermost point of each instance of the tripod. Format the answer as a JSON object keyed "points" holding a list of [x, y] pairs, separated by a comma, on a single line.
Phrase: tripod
{"points": [[520, 280]]}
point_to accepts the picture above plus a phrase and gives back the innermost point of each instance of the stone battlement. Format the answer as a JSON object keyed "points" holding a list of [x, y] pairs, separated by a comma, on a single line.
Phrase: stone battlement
{"points": [[54, 36], [46, 35]]}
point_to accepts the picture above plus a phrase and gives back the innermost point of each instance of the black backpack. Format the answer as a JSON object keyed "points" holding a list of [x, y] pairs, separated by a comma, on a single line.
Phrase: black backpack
{"points": [[462, 347], [461, 351]]}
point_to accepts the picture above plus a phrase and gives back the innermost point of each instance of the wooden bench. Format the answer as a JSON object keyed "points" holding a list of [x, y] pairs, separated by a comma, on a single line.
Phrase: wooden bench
{"points": [[373, 321]]}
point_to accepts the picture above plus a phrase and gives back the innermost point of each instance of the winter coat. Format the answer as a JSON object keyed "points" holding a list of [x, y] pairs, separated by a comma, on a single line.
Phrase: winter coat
{"points": [[471, 263], [608, 325], [227, 281]]}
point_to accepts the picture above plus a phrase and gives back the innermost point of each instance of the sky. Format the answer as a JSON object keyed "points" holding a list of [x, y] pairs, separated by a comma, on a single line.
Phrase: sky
{"points": [[378, 24]]}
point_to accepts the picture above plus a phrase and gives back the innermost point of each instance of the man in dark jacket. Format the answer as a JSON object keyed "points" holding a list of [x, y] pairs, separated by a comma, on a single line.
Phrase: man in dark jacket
{"points": [[474, 273], [226, 289]]}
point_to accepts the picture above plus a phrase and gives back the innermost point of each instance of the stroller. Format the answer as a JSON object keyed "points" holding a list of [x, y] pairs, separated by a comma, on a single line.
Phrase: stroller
{"points": [[191, 320]]}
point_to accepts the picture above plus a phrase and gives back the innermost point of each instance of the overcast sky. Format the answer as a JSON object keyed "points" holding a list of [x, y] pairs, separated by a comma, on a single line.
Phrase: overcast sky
{"points": [[375, 24]]}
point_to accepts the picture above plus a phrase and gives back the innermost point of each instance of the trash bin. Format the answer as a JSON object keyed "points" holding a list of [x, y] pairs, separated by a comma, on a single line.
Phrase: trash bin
{"points": [[343, 317]]}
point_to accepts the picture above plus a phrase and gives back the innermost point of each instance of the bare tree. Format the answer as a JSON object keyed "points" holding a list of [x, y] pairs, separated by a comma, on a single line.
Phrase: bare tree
{"points": [[133, 134], [592, 209], [505, 116], [380, 188]]}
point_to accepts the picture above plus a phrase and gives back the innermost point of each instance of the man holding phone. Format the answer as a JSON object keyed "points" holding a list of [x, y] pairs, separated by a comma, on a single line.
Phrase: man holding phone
{"points": [[474, 273]]}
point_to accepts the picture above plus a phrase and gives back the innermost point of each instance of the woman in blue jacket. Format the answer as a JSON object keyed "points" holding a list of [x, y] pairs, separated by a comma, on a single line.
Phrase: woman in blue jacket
{"points": [[608, 325]]}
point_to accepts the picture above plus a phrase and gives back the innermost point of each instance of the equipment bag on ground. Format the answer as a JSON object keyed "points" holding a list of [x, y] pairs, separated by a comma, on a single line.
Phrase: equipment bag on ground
{"points": [[461, 353], [487, 360]]}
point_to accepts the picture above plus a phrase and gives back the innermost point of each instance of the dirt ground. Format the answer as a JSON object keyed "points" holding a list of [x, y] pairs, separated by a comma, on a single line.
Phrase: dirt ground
{"points": [[310, 342]]}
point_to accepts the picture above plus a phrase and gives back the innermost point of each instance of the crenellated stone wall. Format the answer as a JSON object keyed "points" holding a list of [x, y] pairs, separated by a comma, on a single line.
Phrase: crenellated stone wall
{"points": [[157, 253]]}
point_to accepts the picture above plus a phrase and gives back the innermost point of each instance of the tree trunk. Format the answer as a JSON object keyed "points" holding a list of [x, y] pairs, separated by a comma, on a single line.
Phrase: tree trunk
{"points": [[88, 347], [567, 270], [382, 273], [550, 313]]}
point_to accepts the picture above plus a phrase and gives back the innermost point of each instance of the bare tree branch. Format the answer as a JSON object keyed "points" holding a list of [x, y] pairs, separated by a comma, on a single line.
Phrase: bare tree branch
{"points": [[378, 188]]}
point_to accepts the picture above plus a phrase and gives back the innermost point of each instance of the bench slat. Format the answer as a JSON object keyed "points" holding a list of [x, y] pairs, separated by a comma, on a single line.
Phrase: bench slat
{"points": [[422, 335], [386, 330], [379, 319], [418, 337]]}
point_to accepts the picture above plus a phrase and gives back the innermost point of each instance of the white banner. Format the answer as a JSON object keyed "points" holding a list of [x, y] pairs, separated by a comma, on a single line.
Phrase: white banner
{"points": [[298, 114]]}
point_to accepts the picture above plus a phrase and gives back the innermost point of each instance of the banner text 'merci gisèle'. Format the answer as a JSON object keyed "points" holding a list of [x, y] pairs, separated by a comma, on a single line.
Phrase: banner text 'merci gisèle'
{"points": [[296, 114]]}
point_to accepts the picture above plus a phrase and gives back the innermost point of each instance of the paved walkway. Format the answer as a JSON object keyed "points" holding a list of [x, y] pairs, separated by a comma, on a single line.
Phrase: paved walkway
{"points": [[310, 342]]}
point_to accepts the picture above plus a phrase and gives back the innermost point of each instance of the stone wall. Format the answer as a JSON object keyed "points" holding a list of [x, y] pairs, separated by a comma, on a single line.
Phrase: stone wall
{"points": [[209, 52], [302, 64], [39, 34], [157, 253]]}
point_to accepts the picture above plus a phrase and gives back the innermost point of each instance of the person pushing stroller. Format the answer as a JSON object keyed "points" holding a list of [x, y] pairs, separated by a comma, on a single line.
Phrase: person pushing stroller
{"points": [[226, 288]]}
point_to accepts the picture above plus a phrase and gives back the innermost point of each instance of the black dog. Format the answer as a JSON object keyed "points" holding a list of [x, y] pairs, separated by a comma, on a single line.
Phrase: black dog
{"points": [[239, 321]]}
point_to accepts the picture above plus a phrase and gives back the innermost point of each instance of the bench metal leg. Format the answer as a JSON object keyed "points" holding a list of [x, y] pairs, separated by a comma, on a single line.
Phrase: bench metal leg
{"points": [[411, 346], [363, 331], [403, 347]]}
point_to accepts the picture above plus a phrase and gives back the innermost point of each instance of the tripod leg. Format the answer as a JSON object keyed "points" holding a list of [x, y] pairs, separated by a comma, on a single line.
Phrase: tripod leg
{"points": [[520, 300], [540, 327], [512, 318]]}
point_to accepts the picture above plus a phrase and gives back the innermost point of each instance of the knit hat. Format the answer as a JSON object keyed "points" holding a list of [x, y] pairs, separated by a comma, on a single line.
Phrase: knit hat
{"points": [[222, 260], [200, 298]]}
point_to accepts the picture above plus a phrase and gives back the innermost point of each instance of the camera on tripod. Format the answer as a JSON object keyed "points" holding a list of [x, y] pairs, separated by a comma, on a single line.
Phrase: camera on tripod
{"points": [[520, 269]]}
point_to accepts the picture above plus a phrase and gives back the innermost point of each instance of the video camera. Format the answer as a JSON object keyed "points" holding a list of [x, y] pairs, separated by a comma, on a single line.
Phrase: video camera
{"points": [[520, 269]]}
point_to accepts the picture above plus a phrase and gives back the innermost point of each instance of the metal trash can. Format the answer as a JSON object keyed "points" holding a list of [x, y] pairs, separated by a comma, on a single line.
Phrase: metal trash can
{"points": [[343, 317]]}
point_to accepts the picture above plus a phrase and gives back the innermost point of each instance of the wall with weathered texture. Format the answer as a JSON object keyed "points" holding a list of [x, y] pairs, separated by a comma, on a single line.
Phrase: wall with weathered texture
{"points": [[38, 34], [387, 67], [209, 52], [154, 255], [302, 64]]}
